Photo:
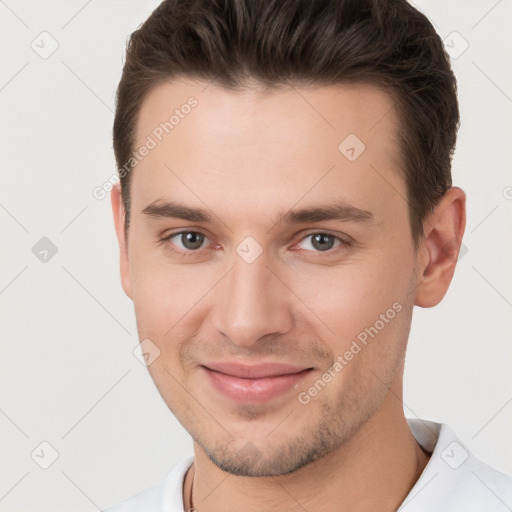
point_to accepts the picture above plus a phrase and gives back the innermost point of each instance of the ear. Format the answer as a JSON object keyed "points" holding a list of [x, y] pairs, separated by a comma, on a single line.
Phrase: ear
{"points": [[439, 249], [119, 221]]}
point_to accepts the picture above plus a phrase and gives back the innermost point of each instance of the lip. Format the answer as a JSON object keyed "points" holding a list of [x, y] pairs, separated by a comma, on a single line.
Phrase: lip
{"points": [[253, 383]]}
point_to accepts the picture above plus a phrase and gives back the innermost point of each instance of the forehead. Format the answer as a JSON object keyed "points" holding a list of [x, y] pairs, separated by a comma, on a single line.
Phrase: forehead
{"points": [[328, 142], [361, 107]]}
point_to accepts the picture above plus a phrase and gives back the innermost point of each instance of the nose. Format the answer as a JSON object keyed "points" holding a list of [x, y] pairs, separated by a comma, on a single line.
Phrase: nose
{"points": [[252, 302]]}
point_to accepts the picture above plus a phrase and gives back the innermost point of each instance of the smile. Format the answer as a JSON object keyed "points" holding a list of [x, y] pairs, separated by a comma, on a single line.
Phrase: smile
{"points": [[255, 384]]}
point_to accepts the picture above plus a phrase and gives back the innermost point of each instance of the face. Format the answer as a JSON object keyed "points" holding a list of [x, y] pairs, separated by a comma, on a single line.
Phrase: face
{"points": [[281, 311]]}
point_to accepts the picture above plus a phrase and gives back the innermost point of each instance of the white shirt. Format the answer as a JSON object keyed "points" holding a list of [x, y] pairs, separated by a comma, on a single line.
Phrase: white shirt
{"points": [[452, 481]]}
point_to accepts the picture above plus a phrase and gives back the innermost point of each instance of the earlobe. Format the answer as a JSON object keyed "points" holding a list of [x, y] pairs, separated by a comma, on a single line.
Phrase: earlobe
{"points": [[437, 256], [119, 214]]}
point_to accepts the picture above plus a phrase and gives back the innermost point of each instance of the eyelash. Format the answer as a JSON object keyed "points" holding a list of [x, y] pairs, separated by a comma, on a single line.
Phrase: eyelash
{"points": [[344, 243]]}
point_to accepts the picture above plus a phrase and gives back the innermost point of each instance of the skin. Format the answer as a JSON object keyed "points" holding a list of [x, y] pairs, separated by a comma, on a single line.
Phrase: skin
{"points": [[246, 157]]}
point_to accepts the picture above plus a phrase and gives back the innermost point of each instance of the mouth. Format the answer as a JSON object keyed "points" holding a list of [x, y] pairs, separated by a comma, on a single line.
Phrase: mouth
{"points": [[255, 383]]}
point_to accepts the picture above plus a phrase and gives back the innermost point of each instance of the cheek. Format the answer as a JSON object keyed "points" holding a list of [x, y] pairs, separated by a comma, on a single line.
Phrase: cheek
{"points": [[163, 293], [347, 299]]}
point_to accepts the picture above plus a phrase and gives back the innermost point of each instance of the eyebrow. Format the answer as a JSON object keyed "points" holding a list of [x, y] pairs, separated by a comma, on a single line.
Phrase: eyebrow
{"points": [[337, 211]]}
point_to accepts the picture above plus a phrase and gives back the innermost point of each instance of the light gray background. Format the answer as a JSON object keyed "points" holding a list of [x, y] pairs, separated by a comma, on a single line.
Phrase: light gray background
{"points": [[68, 374]]}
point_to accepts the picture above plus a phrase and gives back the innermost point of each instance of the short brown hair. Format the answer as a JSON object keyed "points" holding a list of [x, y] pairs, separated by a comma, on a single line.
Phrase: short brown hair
{"points": [[387, 43]]}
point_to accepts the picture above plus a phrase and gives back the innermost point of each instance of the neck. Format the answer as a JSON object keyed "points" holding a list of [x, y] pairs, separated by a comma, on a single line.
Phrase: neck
{"points": [[374, 470]]}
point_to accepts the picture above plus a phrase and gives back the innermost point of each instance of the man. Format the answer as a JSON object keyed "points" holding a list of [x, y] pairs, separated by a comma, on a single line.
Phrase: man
{"points": [[285, 201]]}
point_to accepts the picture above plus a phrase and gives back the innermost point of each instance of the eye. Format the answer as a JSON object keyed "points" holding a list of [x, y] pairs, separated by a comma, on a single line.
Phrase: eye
{"points": [[190, 243], [323, 242], [186, 241]]}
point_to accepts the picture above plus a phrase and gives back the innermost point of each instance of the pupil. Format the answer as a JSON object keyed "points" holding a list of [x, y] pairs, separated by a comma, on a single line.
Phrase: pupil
{"points": [[321, 239], [192, 240]]}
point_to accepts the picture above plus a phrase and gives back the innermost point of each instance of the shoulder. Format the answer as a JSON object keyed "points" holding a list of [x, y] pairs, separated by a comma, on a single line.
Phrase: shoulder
{"points": [[486, 485], [454, 479], [165, 496]]}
